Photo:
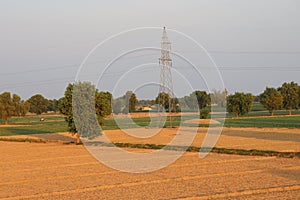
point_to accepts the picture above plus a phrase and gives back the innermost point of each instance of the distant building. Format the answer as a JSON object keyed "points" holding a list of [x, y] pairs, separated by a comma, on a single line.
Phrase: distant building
{"points": [[146, 108]]}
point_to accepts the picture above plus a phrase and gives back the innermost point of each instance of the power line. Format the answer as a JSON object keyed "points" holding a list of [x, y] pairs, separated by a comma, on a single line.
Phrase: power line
{"points": [[239, 52], [255, 52], [111, 74], [244, 68], [70, 78], [61, 67], [40, 70]]}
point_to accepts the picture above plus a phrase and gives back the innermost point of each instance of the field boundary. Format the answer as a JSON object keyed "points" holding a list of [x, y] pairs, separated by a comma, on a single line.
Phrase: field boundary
{"points": [[251, 152]]}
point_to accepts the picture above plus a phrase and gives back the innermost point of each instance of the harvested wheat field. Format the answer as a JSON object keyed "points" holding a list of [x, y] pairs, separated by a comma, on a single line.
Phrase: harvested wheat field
{"points": [[56, 171], [276, 139]]}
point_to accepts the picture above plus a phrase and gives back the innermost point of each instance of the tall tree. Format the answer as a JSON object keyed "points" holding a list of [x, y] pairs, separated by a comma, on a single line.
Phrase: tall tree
{"points": [[118, 105], [65, 107], [299, 96], [84, 112], [87, 102], [103, 105], [52, 105], [38, 104], [7, 108], [133, 101], [239, 103], [290, 93], [16, 99], [130, 102], [12, 106], [125, 103], [24, 108], [163, 99], [271, 99], [203, 98]]}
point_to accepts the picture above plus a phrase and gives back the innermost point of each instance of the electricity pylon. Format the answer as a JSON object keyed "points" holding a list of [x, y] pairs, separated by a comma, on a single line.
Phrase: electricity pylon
{"points": [[166, 83]]}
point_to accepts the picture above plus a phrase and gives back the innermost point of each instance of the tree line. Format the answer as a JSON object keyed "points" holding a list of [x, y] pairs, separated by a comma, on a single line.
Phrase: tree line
{"points": [[286, 97], [12, 105]]}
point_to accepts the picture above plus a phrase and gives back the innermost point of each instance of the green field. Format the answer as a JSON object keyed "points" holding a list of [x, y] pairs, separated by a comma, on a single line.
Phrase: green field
{"points": [[54, 124], [33, 125], [35, 119], [278, 122]]}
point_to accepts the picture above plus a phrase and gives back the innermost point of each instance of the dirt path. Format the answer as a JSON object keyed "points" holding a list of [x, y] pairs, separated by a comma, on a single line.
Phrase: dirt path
{"points": [[52, 171]]}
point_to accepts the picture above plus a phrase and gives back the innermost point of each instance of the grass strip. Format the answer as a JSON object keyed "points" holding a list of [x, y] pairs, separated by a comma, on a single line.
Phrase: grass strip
{"points": [[30, 140], [251, 152]]}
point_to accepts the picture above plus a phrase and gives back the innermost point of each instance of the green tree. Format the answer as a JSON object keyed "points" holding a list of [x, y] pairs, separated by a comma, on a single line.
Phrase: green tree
{"points": [[299, 96], [203, 98], [169, 104], [90, 106], [52, 105], [203, 101], [129, 103], [84, 111], [38, 104], [118, 105], [146, 102], [239, 103], [176, 105], [271, 99], [133, 101], [65, 107], [125, 103], [24, 108], [290, 93], [21, 107], [12, 106], [7, 108], [103, 105], [163, 99], [17, 104]]}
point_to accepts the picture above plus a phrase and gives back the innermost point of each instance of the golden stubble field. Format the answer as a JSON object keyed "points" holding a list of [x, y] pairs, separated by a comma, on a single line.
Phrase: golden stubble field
{"points": [[56, 171], [276, 139]]}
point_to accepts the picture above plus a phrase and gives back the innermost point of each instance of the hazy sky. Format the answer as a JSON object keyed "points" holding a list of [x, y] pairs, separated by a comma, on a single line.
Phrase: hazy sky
{"points": [[255, 43]]}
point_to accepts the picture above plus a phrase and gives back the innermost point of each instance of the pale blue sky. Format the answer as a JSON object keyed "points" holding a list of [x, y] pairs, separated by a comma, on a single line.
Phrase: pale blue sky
{"points": [[43, 42]]}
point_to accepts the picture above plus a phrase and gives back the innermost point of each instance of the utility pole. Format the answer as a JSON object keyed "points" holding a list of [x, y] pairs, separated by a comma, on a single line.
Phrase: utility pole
{"points": [[166, 83]]}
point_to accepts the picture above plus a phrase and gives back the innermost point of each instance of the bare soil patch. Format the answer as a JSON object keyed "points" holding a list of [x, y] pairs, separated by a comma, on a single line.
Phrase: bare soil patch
{"points": [[12, 125], [201, 121], [63, 137]]}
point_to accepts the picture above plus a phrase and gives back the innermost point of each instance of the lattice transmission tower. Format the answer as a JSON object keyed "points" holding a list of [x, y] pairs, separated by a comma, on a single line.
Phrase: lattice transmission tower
{"points": [[166, 82]]}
